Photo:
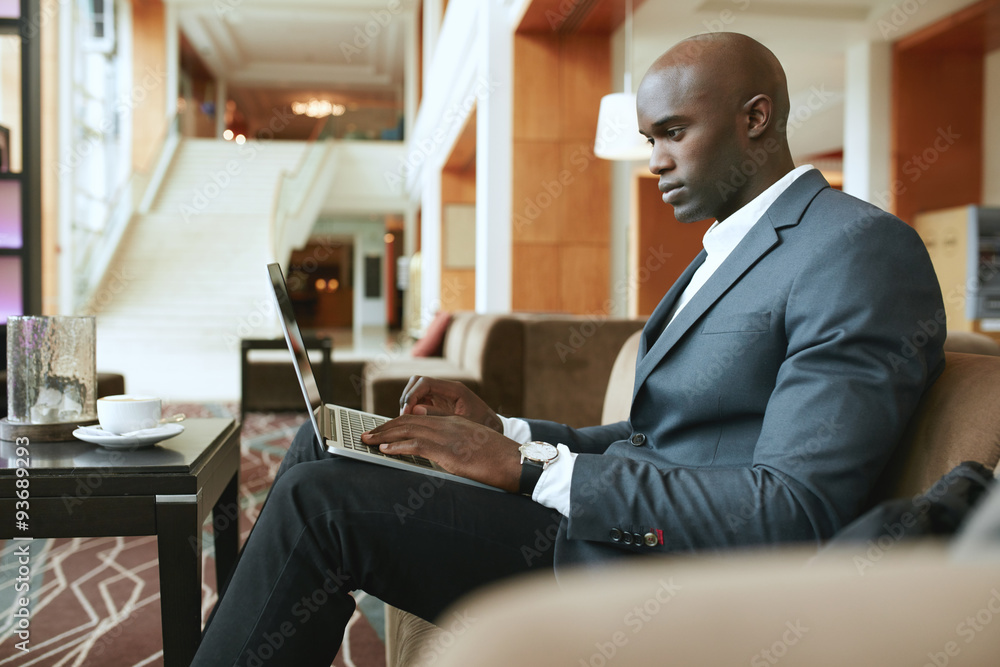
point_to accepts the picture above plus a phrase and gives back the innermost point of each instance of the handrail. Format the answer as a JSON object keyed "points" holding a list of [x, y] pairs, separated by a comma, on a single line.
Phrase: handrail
{"points": [[294, 186], [93, 247]]}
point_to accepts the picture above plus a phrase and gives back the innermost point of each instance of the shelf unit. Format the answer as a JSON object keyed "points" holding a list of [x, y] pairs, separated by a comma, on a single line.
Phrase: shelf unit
{"points": [[20, 189]]}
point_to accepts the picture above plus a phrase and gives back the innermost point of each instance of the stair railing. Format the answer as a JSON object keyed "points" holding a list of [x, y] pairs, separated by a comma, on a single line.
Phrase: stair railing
{"points": [[95, 246], [294, 192]]}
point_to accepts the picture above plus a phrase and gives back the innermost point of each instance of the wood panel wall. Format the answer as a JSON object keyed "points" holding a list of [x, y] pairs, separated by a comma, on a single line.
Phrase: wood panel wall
{"points": [[561, 192], [149, 81], [937, 114], [659, 233]]}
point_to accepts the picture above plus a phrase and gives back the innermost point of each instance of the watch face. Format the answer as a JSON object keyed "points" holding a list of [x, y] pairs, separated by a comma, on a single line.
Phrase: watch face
{"points": [[539, 451]]}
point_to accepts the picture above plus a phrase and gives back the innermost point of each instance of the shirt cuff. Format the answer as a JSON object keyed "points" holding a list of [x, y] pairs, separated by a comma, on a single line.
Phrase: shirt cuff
{"points": [[517, 430], [553, 486]]}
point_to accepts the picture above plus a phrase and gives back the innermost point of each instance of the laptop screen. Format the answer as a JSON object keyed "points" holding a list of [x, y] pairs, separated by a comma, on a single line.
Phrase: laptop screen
{"points": [[300, 357]]}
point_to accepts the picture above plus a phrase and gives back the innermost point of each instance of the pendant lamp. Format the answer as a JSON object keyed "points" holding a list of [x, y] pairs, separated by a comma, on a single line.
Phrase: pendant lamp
{"points": [[618, 135]]}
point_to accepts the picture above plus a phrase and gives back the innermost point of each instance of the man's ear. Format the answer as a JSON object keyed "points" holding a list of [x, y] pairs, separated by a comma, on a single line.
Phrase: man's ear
{"points": [[758, 110]]}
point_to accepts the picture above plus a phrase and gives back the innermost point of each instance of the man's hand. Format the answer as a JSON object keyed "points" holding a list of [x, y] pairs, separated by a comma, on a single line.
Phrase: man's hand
{"points": [[456, 444], [430, 396]]}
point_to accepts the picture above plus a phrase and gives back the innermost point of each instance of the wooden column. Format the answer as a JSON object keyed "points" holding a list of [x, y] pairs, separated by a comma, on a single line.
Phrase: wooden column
{"points": [[561, 210]]}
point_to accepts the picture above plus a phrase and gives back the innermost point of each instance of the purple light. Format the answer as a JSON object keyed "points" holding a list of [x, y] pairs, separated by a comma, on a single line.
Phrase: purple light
{"points": [[10, 288], [10, 214]]}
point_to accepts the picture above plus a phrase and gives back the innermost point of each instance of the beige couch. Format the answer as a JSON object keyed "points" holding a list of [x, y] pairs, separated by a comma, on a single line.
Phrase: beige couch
{"points": [[956, 421], [523, 365]]}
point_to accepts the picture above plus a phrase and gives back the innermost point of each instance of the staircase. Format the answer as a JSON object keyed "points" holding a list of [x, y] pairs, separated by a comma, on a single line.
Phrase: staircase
{"points": [[188, 280]]}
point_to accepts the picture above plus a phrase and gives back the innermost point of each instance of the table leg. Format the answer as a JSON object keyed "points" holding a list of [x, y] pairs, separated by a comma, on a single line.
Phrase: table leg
{"points": [[226, 528], [179, 549]]}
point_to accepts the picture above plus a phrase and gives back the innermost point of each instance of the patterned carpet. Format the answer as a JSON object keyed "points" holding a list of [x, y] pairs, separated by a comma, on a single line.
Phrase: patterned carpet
{"points": [[95, 601]]}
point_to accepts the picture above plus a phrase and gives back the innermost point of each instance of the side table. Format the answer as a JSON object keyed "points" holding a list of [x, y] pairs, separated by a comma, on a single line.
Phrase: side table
{"points": [[77, 489]]}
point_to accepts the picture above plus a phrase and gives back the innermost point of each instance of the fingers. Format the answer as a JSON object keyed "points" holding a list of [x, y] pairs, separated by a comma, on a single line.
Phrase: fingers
{"points": [[409, 397]]}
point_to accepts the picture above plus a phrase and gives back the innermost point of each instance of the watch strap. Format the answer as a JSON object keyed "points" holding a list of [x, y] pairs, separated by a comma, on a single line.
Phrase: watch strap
{"points": [[531, 472]]}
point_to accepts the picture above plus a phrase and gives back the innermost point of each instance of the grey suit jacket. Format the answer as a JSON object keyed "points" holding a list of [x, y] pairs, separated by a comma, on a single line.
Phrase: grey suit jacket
{"points": [[767, 409]]}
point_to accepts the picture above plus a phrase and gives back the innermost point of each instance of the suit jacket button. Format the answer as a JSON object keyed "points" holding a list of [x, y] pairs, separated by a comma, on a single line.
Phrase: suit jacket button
{"points": [[637, 539], [616, 535], [638, 439], [651, 540], [627, 538]]}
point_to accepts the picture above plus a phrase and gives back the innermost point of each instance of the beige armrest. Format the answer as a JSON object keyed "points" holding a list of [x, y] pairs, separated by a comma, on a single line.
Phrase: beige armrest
{"points": [[867, 608]]}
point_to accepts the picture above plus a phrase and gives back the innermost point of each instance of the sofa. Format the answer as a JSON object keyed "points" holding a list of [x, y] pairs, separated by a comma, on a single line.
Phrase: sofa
{"points": [[523, 365], [956, 421]]}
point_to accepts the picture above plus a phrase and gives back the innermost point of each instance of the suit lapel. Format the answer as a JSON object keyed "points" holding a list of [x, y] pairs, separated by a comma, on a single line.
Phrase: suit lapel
{"points": [[654, 325], [785, 212]]}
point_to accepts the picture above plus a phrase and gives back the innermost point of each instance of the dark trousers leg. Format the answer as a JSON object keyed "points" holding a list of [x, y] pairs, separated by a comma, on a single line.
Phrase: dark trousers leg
{"points": [[334, 525]]}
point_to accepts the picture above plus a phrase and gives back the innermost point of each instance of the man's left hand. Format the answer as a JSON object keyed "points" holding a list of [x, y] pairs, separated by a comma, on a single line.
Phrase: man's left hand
{"points": [[458, 445]]}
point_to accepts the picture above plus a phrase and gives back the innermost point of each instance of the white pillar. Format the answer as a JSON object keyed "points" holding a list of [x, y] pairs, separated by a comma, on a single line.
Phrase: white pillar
{"points": [[494, 133], [67, 300], [868, 87], [430, 246], [432, 18]]}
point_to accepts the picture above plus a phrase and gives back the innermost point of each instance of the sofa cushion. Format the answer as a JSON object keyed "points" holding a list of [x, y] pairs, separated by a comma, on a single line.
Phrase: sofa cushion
{"points": [[432, 343], [454, 338], [956, 420], [618, 397], [574, 353]]}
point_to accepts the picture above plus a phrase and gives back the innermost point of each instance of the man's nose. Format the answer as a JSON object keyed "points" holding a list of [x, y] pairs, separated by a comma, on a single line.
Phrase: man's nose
{"points": [[660, 160]]}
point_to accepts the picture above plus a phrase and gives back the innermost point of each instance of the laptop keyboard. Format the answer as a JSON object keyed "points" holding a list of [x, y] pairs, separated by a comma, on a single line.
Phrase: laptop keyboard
{"points": [[353, 424]]}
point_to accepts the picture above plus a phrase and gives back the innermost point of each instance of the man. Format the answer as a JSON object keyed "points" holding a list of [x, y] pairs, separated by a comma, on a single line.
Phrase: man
{"points": [[772, 384]]}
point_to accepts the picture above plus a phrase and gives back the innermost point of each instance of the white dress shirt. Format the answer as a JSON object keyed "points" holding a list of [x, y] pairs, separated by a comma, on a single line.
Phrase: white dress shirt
{"points": [[553, 488]]}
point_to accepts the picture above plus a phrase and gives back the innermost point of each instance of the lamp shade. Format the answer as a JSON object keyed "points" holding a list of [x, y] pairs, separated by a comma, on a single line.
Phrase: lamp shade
{"points": [[618, 135]]}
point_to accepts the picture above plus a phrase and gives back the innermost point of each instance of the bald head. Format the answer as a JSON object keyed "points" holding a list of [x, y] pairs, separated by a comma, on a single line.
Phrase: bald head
{"points": [[730, 68], [709, 105]]}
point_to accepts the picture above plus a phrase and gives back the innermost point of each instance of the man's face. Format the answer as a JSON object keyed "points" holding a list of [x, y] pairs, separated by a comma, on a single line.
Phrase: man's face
{"points": [[694, 131]]}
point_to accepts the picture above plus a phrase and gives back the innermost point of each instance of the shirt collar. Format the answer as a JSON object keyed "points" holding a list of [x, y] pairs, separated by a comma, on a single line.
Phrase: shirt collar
{"points": [[720, 239]]}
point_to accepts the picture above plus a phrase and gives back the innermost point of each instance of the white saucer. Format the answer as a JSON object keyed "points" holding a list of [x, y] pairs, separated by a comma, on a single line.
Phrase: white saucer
{"points": [[146, 438]]}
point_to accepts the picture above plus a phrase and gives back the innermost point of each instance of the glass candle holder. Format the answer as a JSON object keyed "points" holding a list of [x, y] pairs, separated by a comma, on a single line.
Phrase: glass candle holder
{"points": [[51, 369]]}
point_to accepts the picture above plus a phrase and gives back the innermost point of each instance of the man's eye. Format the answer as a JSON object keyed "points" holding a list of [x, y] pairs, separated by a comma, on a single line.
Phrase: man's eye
{"points": [[649, 140], [673, 132]]}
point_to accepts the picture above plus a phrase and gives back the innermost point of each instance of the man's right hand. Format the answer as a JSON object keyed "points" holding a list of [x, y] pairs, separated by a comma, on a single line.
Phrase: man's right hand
{"points": [[430, 396]]}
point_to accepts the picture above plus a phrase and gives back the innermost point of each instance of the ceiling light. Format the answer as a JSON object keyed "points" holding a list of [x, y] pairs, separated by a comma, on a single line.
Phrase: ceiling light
{"points": [[240, 139], [618, 135], [228, 135], [315, 108]]}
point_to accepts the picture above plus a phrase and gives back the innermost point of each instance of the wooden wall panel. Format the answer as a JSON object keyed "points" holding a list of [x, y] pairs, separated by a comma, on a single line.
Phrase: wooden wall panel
{"points": [[458, 289], [657, 227], [561, 192], [584, 78], [537, 273], [585, 179], [938, 129], [149, 58], [536, 87], [537, 214], [584, 279]]}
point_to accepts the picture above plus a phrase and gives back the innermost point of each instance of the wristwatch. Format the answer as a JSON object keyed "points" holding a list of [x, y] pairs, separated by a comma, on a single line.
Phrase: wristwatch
{"points": [[535, 457]]}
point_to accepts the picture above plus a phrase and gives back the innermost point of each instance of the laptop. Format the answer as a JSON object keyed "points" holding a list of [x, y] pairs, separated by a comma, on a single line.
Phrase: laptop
{"points": [[341, 427]]}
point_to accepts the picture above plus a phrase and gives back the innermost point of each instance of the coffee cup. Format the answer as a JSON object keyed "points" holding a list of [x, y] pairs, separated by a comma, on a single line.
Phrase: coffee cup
{"points": [[125, 413]]}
